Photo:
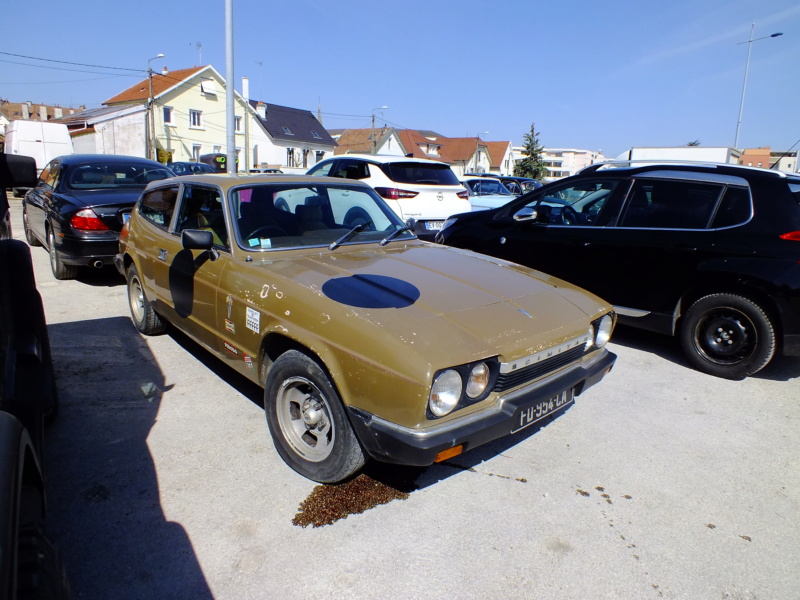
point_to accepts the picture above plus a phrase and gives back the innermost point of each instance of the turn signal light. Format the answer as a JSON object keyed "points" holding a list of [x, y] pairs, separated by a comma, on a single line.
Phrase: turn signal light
{"points": [[449, 453], [87, 220]]}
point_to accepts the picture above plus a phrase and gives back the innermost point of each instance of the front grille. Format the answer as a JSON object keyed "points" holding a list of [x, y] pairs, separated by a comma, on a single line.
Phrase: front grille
{"points": [[507, 381]]}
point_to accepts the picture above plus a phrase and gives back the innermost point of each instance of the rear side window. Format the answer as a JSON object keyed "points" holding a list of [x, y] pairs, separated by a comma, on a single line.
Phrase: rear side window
{"points": [[159, 205], [734, 209], [351, 169], [670, 204], [794, 188], [420, 173]]}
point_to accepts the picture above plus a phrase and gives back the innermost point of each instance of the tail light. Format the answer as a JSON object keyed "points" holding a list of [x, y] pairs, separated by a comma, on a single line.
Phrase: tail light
{"points": [[792, 235], [463, 195], [87, 220], [123, 235], [394, 193]]}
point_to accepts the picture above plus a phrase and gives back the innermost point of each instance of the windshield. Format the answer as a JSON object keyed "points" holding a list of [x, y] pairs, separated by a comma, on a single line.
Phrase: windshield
{"points": [[101, 175], [485, 187], [296, 215], [425, 173]]}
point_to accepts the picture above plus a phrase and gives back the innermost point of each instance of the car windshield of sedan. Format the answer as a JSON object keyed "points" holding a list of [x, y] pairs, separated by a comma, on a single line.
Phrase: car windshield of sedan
{"points": [[294, 215], [486, 187], [100, 175]]}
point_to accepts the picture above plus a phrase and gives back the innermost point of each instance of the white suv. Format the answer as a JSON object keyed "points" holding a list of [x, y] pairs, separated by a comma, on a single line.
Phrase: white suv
{"points": [[415, 188]]}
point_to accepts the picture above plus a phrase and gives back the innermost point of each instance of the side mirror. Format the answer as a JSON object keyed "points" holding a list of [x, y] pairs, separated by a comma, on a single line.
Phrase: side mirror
{"points": [[411, 223], [525, 214], [195, 239]]}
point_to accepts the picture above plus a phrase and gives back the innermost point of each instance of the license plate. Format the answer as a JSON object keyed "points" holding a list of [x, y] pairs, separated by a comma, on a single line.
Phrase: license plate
{"points": [[527, 416], [434, 225]]}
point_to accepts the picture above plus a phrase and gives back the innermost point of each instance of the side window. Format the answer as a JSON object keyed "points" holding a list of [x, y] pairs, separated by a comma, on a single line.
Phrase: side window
{"points": [[157, 206], [45, 177], [734, 209], [201, 208], [322, 170], [670, 204], [351, 169], [581, 204]]}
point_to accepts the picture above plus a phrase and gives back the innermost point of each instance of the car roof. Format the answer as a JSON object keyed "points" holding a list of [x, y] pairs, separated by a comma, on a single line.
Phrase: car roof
{"points": [[74, 159], [632, 167], [387, 158], [226, 181]]}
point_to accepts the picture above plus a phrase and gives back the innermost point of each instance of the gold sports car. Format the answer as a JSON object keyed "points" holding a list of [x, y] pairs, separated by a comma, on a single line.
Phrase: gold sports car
{"points": [[369, 343]]}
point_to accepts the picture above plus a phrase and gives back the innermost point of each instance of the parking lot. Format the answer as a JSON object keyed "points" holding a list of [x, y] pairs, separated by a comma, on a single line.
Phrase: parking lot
{"points": [[660, 482]]}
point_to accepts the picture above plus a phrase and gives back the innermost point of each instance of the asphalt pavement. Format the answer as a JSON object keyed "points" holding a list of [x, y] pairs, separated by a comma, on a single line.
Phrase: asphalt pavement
{"points": [[660, 482]]}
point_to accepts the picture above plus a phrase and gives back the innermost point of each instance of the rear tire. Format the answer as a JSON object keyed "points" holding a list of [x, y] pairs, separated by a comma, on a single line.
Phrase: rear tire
{"points": [[728, 336], [308, 422], [144, 318], [60, 270]]}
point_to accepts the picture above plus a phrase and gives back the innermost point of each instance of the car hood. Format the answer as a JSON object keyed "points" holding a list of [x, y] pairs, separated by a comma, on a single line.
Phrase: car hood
{"points": [[439, 296]]}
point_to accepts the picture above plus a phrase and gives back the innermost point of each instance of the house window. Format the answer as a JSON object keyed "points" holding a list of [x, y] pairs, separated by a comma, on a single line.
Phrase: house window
{"points": [[237, 121], [196, 152], [167, 115], [316, 135], [287, 131], [216, 149], [290, 157], [208, 87], [320, 155], [305, 157], [195, 118]]}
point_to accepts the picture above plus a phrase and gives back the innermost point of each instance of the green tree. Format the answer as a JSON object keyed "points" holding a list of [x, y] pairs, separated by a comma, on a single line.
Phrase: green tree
{"points": [[533, 163]]}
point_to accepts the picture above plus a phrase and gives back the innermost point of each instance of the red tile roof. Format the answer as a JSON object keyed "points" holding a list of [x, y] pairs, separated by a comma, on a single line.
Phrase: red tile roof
{"points": [[140, 92]]}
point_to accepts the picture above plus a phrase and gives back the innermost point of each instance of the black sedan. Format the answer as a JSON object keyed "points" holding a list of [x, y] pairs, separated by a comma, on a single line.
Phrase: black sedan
{"points": [[76, 209], [191, 168], [707, 253]]}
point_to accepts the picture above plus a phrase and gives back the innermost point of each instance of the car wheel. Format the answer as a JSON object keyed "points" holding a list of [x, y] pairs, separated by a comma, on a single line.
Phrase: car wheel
{"points": [[358, 216], [60, 270], [728, 336], [307, 421], [29, 237], [144, 318]]}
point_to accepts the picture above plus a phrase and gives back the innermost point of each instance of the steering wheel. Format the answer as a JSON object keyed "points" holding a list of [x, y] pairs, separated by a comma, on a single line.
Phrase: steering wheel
{"points": [[266, 231], [569, 216]]}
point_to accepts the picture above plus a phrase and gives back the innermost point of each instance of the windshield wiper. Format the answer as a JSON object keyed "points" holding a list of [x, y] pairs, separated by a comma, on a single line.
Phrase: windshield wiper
{"points": [[346, 237], [394, 234]]}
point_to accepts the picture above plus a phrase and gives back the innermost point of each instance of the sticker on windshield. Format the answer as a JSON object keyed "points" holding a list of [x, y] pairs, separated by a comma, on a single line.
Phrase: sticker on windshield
{"points": [[253, 320]]}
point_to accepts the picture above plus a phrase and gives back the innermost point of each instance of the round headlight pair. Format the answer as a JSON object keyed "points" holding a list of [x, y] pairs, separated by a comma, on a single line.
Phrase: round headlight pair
{"points": [[447, 388]]}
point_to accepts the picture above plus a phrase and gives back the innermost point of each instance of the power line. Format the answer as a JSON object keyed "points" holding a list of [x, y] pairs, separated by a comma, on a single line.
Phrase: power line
{"points": [[64, 62]]}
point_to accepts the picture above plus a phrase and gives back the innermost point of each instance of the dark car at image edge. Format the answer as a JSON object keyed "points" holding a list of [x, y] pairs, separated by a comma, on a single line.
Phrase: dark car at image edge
{"points": [[709, 253]]}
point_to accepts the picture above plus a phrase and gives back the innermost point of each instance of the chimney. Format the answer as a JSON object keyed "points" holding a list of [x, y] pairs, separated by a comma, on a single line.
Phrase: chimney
{"points": [[261, 109]]}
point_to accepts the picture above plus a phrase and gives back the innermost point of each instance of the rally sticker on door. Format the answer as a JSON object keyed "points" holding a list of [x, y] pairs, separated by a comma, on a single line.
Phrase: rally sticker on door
{"points": [[253, 320]]}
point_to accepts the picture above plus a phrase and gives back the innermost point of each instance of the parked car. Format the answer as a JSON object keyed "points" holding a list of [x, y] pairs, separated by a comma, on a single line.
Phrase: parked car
{"points": [[707, 253], [190, 168], [486, 192], [424, 190], [368, 342], [520, 185], [270, 171], [77, 208]]}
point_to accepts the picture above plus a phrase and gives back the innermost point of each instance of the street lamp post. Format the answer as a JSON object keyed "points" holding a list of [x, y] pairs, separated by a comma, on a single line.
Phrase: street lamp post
{"points": [[151, 124], [746, 69], [374, 144]]}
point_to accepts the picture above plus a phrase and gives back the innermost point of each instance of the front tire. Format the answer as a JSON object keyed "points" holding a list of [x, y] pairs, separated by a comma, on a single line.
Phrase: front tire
{"points": [[29, 237], [60, 270], [307, 421], [144, 318], [728, 336]]}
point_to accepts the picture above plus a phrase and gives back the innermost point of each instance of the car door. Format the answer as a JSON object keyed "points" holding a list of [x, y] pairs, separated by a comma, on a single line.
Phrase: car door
{"points": [[559, 230], [39, 201], [189, 279]]}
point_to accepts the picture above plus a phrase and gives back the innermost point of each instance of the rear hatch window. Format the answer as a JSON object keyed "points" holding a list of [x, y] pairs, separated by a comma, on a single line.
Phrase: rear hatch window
{"points": [[420, 173]]}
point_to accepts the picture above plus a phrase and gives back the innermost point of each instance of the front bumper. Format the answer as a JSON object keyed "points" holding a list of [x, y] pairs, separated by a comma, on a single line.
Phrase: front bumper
{"points": [[392, 443]]}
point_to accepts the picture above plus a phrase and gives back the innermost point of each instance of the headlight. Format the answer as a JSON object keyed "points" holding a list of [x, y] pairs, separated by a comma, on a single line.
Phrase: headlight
{"points": [[445, 393], [478, 380], [604, 328]]}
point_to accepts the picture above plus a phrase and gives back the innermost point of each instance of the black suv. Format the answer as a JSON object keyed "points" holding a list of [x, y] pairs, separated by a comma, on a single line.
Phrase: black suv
{"points": [[707, 252]]}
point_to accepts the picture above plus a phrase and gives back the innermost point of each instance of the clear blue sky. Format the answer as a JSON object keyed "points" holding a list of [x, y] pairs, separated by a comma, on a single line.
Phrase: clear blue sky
{"points": [[593, 75]]}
